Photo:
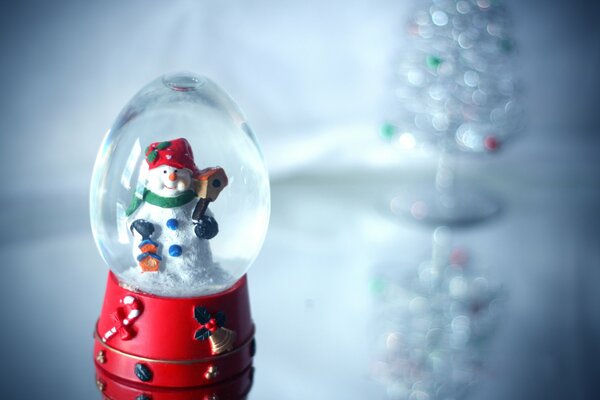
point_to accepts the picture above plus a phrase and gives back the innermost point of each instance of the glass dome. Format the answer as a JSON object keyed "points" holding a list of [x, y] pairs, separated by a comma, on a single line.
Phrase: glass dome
{"points": [[179, 199]]}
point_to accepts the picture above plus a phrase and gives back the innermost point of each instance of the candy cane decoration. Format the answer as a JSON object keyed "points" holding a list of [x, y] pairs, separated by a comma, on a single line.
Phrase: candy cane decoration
{"points": [[123, 318]]}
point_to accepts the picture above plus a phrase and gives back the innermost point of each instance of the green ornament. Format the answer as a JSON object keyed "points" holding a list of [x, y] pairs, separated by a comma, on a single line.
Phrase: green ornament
{"points": [[377, 286], [433, 61], [388, 130]]}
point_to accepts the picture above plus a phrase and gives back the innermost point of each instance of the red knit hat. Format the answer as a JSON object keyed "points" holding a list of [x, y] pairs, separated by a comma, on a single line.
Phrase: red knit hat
{"points": [[174, 153]]}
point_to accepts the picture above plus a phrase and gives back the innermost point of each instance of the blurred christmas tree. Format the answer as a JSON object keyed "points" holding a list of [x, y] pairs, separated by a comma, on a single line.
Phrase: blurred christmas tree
{"points": [[455, 83], [454, 88]]}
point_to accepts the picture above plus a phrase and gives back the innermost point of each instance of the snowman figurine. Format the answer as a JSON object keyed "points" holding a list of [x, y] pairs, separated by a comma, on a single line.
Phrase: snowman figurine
{"points": [[170, 220]]}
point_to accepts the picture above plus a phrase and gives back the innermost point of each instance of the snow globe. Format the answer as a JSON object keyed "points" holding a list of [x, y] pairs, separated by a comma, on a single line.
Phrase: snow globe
{"points": [[179, 207]]}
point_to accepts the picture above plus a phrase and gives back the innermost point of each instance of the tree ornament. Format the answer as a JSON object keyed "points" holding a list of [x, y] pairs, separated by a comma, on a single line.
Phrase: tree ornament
{"points": [[388, 131], [491, 143], [433, 62]]}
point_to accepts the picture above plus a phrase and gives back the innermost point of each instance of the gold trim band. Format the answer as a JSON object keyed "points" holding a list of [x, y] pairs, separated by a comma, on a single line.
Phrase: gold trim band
{"points": [[152, 360]]}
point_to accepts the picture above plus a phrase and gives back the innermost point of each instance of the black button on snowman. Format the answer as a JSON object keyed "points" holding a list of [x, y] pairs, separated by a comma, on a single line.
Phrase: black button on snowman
{"points": [[170, 218]]}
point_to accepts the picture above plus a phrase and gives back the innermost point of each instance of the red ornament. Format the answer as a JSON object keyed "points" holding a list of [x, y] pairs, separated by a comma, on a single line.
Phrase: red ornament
{"points": [[459, 257], [491, 143]]}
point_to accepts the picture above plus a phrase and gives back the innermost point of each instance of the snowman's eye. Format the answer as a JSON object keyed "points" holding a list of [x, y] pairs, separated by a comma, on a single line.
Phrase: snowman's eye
{"points": [[165, 171]]}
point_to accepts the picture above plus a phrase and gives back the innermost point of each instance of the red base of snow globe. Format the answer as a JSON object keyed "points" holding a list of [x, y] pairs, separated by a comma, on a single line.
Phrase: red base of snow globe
{"points": [[157, 342]]}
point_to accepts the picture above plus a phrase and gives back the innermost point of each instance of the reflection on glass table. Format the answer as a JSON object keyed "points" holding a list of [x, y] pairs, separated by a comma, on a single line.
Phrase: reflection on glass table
{"points": [[433, 324], [113, 388]]}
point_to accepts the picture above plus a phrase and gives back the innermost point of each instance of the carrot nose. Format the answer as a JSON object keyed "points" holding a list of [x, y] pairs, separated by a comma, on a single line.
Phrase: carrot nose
{"points": [[173, 176]]}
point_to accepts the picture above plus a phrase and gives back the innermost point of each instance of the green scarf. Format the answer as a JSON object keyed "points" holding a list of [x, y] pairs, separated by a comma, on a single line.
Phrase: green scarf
{"points": [[164, 202]]}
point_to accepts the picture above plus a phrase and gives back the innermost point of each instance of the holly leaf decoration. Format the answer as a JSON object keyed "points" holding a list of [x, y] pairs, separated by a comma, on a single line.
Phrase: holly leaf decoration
{"points": [[201, 314], [163, 145], [220, 318], [152, 156], [202, 334]]}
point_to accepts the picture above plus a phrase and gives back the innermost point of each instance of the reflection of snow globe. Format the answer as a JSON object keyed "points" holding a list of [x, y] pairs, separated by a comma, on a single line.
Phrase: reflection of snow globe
{"points": [[179, 209]]}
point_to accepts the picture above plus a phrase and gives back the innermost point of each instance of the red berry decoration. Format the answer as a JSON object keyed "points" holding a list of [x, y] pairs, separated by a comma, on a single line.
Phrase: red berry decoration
{"points": [[491, 143]]}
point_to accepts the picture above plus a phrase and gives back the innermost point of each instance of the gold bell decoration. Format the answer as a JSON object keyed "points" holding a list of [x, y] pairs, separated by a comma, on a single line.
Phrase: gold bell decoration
{"points": [[222, 340], [212, 329]]}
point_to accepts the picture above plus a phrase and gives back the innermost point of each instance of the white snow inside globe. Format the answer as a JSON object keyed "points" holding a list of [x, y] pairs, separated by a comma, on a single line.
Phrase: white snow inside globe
{"points": [[179, 198]]}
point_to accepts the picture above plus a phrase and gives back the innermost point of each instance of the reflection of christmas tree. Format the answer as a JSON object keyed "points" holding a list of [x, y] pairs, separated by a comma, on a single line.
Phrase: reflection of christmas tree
{"points": [[434, 325], [455, 84]]}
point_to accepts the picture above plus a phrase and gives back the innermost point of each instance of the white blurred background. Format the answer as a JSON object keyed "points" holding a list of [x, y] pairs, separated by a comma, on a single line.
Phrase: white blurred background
{"points": [[313, 79]]}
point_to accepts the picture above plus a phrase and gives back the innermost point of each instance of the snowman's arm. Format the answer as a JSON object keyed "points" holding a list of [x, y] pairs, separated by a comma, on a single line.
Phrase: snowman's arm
{"points": [[138, 224], [144, 228], [207, 226]]}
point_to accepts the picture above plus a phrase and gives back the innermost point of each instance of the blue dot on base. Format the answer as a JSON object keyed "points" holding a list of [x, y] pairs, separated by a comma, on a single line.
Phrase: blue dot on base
{"points": [[172, 224], [175, 250]]}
